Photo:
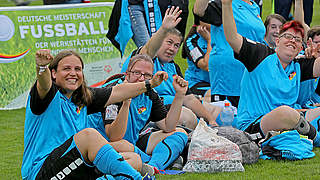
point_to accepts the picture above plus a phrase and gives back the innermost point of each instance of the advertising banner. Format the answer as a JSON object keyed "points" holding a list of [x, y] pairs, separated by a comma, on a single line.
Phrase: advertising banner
{"points": [[24, 30]]}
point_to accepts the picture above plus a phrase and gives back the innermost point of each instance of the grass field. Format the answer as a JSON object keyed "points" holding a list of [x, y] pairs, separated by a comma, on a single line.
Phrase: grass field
{"points": [[12, 125]]}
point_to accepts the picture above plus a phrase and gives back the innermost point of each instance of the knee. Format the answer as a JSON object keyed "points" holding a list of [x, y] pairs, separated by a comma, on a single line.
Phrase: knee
{"points": [[89, 134], [188, 119], [181, 130]]}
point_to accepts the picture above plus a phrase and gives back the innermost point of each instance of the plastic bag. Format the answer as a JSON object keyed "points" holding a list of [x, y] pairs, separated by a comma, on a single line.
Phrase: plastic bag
{"points": [[209, 152]]}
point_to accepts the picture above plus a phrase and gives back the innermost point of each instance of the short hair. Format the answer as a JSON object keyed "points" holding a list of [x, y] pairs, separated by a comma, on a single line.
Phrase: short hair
{"points": [[295, 25], [314, 31], [273, 16], [139, 57], [175, 32]]}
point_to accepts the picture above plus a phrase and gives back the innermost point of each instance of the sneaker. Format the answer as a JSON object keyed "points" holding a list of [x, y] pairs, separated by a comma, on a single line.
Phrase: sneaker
{"points": [[177, 164], [148, 177], [147, 169]]}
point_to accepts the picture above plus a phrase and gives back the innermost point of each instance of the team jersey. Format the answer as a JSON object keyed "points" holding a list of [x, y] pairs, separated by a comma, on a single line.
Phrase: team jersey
{"points": [[51, 121], [195, 48], [165, 89], [265, 84], [226, 72], [143, 109]]}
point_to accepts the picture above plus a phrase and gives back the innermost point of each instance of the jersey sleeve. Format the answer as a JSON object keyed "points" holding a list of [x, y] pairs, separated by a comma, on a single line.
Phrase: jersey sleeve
{"points": [[252, 53], [37, 105], [213, 13], [306, 66], [193, 50], [100, 98], [158, 110]]}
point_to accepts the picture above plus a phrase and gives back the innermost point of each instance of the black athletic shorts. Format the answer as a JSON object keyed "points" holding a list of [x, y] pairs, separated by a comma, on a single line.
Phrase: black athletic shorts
{"points": [[63, 164], [197, 88], [255, 131]]}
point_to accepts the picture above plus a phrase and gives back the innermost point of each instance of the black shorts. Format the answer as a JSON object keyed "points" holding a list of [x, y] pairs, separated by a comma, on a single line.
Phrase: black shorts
{"points": [[63, 164], [200, 88], [255, 131], [233, 99]]}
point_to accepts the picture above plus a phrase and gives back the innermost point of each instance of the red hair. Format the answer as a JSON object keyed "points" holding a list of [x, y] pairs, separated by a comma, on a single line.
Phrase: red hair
{"points": [[295, 25]]}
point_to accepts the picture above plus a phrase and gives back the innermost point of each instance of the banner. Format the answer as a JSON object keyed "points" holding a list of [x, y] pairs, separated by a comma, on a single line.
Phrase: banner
{"points": [[24, 30]]}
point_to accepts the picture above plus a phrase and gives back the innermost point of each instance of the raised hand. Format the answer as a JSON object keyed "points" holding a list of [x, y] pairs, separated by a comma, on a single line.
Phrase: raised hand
{"points": [[158, 78], [171, 18], [180, 85], [43, 57], [313, 49], [204, 32]]}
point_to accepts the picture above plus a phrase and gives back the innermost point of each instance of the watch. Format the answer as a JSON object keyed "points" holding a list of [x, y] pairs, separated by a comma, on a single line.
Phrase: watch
{"points": [[148, 85]]}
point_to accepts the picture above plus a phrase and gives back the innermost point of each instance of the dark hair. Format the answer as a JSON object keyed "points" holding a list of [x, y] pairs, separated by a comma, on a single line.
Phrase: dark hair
{"points": [[82, 95], [273, 16], [139, 57], [295, 25], [314, 31]]}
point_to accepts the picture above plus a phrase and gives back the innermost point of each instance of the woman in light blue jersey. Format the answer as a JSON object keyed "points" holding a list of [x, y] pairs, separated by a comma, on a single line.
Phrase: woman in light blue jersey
{"points": [[226, 72], [57, 141], [271, 81]]}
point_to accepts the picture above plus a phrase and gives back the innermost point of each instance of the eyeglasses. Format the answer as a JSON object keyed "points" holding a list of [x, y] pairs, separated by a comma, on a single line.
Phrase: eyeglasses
{"points": [[290, 37], [139, 74]]}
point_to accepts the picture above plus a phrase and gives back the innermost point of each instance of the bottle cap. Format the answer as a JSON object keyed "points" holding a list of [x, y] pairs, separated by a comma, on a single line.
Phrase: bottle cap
{"points": [[226, 104]]}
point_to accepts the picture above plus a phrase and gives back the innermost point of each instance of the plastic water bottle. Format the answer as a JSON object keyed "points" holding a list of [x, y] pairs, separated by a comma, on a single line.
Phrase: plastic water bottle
{"points": [[226, 115]]}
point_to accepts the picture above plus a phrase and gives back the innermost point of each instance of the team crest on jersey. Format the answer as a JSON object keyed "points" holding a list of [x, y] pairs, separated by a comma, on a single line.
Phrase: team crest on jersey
{"points": [[142, 109], [79, 109], [292, 75]]}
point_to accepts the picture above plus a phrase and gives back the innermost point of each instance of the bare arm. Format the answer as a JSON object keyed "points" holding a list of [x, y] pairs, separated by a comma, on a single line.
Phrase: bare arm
{"points": [[170, 21], [200, 7], [170, 123], [205, 33], [230, 30], [125, 91], [299, 16], [44, 82], [316, 68], [191, 102], [117, 129]]}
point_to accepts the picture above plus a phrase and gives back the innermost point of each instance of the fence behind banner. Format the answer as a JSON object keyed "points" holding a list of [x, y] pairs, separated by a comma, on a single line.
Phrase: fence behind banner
{"points": [[24, 30]]}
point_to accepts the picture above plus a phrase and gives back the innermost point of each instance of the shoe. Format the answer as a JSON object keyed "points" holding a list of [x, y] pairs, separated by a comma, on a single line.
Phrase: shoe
{"points": [[148, 177], [146, 168], [177, 164]]}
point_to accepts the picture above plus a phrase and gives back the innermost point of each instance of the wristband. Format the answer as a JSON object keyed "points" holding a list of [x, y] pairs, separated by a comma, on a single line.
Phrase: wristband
{"points": [[42, 68], [148, 85]]}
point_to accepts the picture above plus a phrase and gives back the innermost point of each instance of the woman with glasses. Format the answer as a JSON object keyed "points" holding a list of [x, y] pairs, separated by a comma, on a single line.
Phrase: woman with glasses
{"points": [[271, 81]]}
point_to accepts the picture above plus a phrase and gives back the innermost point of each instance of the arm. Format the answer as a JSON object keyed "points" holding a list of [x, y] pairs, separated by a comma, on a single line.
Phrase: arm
{"points": [[170, 122], [44, 83], [170, 21], [117, 129], [299, 16], [191, 102], [200, 7], [125, 91], [230, 30], [203, 62]]}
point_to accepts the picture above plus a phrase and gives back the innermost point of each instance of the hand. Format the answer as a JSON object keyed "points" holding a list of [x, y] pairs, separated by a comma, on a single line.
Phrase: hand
{"points": [[204, 32], [180, 85], [43, 57], [171, 18], [313, 49], [158, 78]]}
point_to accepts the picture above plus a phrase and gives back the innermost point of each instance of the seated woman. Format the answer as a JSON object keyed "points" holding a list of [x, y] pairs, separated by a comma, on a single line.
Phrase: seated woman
{"points": [[196, 49], [271, 81], [126, 120], [58, 143]]}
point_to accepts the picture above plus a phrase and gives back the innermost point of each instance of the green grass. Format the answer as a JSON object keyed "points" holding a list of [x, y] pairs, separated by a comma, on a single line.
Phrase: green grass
{"points": [[12, 124]]}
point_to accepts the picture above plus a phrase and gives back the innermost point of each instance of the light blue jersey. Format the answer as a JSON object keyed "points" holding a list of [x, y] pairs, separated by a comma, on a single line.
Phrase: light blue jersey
{"points": [[225, 71], [265, 84]]}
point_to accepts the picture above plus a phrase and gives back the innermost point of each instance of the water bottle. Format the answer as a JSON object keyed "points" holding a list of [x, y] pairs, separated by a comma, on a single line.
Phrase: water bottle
{"points": [[226, 115]]}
